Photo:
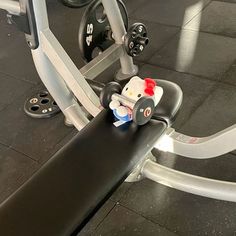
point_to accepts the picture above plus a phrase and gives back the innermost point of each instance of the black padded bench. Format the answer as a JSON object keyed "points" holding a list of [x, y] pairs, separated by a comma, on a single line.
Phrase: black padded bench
{"points": [[64, 194]]}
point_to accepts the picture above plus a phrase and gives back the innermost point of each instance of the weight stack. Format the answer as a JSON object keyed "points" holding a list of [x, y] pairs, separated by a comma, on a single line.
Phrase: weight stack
{"points": [[76, 3]]}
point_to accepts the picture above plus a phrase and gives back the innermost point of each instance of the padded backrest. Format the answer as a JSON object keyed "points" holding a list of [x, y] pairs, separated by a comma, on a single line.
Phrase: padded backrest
{"points": [[63, 195], [170, 103]]}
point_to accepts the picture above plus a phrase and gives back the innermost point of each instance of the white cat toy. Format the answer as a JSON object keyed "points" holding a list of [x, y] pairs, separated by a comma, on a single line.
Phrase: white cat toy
{"points": [[134, 90]]}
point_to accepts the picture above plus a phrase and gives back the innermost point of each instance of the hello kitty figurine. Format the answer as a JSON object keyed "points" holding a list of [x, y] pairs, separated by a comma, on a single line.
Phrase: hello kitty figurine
{"points": [[134, 90]]}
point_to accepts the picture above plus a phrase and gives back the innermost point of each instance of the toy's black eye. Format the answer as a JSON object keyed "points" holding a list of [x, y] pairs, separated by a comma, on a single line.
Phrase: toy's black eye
{"points": [[139, 95], [126, 89]]}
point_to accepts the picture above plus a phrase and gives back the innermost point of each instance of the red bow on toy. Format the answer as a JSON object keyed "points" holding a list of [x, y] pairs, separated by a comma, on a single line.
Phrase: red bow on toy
{"points": [[150, 85]]}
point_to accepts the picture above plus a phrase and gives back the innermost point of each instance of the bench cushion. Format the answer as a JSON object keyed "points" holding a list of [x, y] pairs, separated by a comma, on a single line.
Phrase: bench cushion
{"points": [[63, 195], [167, 109]]}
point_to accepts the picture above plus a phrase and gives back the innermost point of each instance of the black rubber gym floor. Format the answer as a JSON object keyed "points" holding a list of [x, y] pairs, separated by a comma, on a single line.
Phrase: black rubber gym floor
{"points": [[193, 43]]}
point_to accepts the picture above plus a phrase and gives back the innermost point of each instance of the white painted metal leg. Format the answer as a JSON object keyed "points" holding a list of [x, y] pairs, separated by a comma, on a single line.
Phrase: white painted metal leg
{"points": [[69, 72], [196, 147], [50, 77], [10, 6], [216, 189], [128, 69]]}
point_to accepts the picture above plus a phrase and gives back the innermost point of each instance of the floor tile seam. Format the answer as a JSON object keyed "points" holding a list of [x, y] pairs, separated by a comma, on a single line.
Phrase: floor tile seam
{"points": [[227, 83], [186, 73], [4, 145], [28, 91], [6, 105], [221, 83], [172, 25], [69, 133], [210, 79], [148, 219], [209, 33], [107, 214], [217, 83], [123, 195], [201, 103], [24, 154], [193, 110], [15, 190], [160, 48], [183, 27], [200, 12], [136, 8], [19, 152], [17, 78], [156, 23], [55, 151], [223, 77], [177, 33], [228, 1]]}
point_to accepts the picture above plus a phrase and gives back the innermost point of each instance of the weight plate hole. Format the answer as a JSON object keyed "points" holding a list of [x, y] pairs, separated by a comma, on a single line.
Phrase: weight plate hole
{"points": [[44, 101], [34, 108], [134, 33], [54, 103], [43, 94], [100, 14], [146, 41]]}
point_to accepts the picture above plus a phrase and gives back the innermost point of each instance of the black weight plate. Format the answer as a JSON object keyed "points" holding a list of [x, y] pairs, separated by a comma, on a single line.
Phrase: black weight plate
{"points": [[133, 43], [41, 105], [94, 28], [107, 92], [143, 110]]}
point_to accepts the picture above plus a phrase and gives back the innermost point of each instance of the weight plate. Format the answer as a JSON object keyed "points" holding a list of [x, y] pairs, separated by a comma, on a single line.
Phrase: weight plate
{"points": [[107, 92], [95, 33], [41, 105], [143, 110], [136, 39]]}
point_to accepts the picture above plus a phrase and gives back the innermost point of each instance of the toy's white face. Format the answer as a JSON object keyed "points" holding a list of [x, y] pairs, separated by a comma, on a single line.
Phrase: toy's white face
{"points": [[134, 89]]}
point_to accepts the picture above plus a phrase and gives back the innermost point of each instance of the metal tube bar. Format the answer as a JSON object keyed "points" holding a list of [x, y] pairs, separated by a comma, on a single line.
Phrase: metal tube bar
{"points": [[49, 76], [59, 90], [117, 25], [10, 6], [70, 73], [211, 188], [199, 148], [101, 62], [115, 19], [123, 100]]}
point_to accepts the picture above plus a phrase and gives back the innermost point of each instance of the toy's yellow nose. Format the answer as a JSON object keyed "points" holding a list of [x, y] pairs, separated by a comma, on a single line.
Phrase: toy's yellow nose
{"points": [[130, 93]]}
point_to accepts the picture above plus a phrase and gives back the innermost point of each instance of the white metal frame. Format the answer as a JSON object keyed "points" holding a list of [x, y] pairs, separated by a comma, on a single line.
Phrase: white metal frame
{"points": [[10, 6], [65, 82], [61, 67], [198, 147], [211, 188], [57, 71]]}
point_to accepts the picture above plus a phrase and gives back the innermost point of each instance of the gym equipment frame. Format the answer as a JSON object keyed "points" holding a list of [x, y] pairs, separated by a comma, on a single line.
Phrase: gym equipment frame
{"points": [[65, 82], [58, 72]]}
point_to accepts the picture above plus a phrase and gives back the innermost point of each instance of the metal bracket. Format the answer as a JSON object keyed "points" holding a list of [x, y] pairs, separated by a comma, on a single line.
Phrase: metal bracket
{"points": [[25, 22], [21, 21], [137, 175]]}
